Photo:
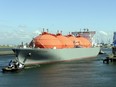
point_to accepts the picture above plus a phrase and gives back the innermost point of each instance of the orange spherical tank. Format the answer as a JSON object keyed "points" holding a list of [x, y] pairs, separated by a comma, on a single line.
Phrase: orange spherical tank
{"points": [[46, 40], [83, 42], [66, 43], [73, 39]]}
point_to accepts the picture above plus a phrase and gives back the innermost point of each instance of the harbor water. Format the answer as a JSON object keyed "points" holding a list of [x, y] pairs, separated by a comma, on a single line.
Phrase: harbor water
{"points": [[89, 72]]}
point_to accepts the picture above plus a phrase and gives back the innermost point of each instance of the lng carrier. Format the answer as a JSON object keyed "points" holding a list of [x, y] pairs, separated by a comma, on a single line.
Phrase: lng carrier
{"points": [[50, 48]]}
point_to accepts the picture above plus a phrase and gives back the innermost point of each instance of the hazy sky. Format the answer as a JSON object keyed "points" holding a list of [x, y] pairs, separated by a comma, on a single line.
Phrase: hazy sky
{"points": [[24, 17]]}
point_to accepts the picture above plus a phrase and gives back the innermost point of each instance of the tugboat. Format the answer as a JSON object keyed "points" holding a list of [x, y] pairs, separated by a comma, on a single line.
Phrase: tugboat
{"points": [[101, 52], [13, 66]]}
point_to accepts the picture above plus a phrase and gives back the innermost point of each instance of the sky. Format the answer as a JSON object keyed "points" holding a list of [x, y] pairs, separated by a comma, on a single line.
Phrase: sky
{"points": [[21, 20]]}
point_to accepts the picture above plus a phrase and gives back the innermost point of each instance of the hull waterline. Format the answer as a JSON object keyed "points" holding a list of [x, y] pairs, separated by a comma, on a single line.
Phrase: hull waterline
{"points": [[30, 56]]}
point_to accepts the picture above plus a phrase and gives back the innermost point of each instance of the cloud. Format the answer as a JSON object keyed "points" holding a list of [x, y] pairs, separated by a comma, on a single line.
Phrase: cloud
{"points": [[103, 33], [103, 37], [22, 26], [37, 32], [16, 36], [22, 34]]}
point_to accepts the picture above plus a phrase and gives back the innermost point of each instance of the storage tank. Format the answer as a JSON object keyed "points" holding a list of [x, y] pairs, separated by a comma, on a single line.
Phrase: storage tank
{"points": [[73, 39], [47, 40], [66, 43], [83, 42]]}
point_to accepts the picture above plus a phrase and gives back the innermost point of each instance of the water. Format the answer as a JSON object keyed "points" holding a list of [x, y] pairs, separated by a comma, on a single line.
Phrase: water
{"points": [[5, 49], [81, 73]]}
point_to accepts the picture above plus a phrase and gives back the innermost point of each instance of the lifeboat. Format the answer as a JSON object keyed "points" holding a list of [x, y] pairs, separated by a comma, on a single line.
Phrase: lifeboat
{"points": [[66, 43], [47, 40]]}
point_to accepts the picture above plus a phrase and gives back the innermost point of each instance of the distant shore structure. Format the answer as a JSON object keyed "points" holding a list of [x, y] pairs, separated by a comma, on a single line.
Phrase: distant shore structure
{"points": [[114, 39]]}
